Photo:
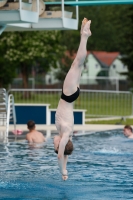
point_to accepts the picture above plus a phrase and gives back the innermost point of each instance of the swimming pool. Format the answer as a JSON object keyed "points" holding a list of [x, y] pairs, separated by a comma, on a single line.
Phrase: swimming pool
{"points": [[101, 167]]}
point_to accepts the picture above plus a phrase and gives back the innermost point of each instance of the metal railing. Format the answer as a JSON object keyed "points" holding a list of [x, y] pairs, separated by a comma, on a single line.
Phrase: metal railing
{"points": [[7, 111], [90, 83], [3, 106], [11, 114], [95, 102]]}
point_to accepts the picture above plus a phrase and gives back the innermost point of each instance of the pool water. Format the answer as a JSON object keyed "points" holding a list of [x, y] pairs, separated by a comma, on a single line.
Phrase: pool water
{"points": [[101, 167]]}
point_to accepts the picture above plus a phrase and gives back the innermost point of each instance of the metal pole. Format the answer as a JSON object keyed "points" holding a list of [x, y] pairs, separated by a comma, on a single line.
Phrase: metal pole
{"points": [[77, 13], [62, 6]]}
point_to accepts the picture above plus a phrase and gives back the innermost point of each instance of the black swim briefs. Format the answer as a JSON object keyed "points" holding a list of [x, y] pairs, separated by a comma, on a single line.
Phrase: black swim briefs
{"points": [[72, 97]]}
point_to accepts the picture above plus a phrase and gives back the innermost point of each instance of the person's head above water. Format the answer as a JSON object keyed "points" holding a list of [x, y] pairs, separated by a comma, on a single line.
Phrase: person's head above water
{"points": [[68, 147], [128, 131], [31, 125]]}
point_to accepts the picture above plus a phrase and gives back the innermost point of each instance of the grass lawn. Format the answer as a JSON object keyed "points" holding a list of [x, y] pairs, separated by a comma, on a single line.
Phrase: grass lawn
{"points": [[94, 104], [115, 121]]}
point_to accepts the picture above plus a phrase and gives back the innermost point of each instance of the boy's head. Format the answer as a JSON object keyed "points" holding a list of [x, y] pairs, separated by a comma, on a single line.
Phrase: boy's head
{"points": [[31, 125], [68, 148], [127, 130]]}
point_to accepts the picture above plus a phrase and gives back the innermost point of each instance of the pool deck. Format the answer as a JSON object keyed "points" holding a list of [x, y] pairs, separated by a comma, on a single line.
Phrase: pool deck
{"points": [[86, 127]]}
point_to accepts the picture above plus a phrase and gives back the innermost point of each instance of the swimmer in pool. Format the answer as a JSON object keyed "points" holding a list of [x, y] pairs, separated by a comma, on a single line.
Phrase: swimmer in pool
{"points": [[128, 131], [34, 136], [64, 115]]}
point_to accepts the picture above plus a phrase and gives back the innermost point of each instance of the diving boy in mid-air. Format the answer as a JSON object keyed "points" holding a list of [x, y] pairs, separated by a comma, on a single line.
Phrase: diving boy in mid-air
{"points": [[64, 115]]}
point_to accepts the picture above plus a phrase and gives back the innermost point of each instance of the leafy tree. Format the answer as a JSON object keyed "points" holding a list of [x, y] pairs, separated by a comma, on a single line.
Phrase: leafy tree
{"points": [[112, 30], [27, 48], [7, 73], [126, 42], [7, 69], [107, 23], [64, 64], [103, 73]]}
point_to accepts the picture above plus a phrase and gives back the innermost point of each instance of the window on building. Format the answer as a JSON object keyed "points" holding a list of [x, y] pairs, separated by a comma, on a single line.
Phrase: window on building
{"points": [[114, 66], [85, 67], [96, 65]]}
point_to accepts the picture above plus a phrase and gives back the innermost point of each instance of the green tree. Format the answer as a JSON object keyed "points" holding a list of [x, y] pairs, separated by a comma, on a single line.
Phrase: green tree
{"points": [[64, 63], [27, 48], [106, 27], [103, 73], [112, 30], [7, 73], [7, 69], [126, 42]]}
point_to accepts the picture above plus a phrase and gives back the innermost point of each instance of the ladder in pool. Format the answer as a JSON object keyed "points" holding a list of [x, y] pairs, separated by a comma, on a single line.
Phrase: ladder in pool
{"points": [[7, 112]]}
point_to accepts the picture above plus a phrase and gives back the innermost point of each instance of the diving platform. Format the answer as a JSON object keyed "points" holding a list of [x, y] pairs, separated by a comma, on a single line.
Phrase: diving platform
{"points": [[45, 24], [33, 15], [19, 12]]}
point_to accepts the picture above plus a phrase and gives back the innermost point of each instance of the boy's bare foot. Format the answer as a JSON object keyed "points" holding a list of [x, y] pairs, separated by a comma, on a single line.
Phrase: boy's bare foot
{"points": [[85, 27], [84, 21]]}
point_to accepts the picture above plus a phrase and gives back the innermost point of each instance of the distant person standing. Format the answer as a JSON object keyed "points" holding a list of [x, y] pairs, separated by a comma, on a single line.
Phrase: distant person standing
{"points": [[34, 136], [128, 131]]}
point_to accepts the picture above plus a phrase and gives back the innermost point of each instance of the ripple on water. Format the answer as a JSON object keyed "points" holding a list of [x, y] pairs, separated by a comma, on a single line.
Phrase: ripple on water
{"points": [[99, 168]]}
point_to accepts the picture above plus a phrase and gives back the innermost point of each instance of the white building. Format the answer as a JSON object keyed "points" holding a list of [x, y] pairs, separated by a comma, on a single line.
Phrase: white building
{"points": [[106, 64], [98, 64], [116, 68]]}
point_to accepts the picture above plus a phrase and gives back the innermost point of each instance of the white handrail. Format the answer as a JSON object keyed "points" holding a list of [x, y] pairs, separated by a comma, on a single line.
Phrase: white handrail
{"points": [[11, 114]]}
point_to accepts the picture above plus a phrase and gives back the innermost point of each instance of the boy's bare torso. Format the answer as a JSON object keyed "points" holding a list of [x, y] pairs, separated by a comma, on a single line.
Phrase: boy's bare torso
{"points": [[64, 117], [35, 137]]}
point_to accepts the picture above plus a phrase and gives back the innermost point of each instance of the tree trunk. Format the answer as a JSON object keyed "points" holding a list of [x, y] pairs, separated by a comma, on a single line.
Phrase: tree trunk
{"points": [[25, 75]]}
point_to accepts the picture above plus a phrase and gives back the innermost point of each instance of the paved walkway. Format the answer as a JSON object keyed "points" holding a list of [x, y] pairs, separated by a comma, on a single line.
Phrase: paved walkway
{"points": [[48, 130]]}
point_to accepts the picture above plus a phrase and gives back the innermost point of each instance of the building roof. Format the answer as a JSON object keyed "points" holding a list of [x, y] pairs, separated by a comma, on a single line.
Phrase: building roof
{"points": [[105, 57]]}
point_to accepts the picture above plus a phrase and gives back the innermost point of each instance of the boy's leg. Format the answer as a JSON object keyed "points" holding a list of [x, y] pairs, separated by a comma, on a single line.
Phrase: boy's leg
{"points": [[81, 53], [73, 77]]}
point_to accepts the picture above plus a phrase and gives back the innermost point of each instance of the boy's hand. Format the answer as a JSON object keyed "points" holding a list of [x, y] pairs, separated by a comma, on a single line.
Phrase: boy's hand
{"points": [[64, 175]]}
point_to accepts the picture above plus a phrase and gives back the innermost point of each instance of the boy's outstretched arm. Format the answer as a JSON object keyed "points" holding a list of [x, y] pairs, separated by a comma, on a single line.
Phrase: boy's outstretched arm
{"points": [[62, 159]]}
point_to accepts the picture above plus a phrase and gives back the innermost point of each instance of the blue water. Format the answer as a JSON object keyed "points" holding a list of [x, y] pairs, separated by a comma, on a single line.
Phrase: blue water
{"points": [[101, 167]]}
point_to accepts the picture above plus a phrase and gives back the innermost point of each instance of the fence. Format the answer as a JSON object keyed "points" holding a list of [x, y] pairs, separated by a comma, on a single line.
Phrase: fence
{"points": [[104, 83], [89, 83], [95, 102]]}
